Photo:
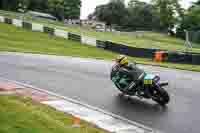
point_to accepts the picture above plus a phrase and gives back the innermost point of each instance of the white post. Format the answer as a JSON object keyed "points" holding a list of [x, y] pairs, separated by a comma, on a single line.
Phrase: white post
{"points": [[187, 41]]}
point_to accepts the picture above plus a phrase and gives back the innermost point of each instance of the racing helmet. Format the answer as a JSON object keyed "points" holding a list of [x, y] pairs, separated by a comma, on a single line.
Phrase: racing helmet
{"points": [[121, 59]]}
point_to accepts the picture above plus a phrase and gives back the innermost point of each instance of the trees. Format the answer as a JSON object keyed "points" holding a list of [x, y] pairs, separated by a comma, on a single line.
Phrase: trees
{"points": [[39, 5], [111, 13], [142, 16], [60, 8], [1, 4], [56, 7], [72, 9], [191, 22], [69, 9], [168, 11], [9, 5], [137, 16]]}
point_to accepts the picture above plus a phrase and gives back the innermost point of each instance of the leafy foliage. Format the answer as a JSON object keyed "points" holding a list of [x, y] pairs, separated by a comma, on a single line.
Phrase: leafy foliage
{"points": [[59, 8], [191, 23], [158, 15]]}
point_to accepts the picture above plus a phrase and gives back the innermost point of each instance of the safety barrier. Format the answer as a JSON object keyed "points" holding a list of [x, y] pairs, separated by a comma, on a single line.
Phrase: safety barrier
{"points": [[17, 22], [48, 30], [8, 20], [27, 25], [155, 54], [196, 59], [101, 44], [89, 40], [37, 27], [74, 37], [61, 33], [2, 19], [159, 56], [179, 57], [130, 51]]}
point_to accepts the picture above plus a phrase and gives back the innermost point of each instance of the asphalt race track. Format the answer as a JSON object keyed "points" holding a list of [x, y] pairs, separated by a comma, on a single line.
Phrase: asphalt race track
{"points": [[87, 80]]}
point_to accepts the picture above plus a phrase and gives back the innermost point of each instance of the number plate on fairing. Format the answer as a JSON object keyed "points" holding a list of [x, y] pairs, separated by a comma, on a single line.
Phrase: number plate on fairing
{"points": [[148, 80]]}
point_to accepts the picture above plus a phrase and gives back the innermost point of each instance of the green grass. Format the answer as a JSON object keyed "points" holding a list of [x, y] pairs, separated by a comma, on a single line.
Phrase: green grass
{"points": [[21, 115], [15, 39], [19, 40], [146, 40]]}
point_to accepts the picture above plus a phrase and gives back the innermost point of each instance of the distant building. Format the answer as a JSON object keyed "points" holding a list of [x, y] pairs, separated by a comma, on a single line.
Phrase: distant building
{"points": [[73, 21], [99, 26]]}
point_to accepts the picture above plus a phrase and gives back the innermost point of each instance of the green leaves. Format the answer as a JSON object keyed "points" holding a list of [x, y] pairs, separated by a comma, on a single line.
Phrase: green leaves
{"points": [[191, 23], [59, 8], [69, 9], [142, 16], [111, 13], [137, 16], [168, 11]]}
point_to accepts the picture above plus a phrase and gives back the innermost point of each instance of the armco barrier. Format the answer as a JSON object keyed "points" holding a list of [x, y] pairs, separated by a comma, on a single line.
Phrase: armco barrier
{"points": [[27, 25], [61, 33], [196, 59], [101, 44], [122, 49], [74, 37], [17, 22], [48, 30], [178, 57], [2, 19], [88, 40], [130, 51], [37, 27], [8, 21]]}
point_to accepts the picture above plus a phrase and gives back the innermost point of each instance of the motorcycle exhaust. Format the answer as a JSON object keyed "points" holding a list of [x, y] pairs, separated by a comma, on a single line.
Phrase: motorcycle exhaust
{"points": [[162, 84]]}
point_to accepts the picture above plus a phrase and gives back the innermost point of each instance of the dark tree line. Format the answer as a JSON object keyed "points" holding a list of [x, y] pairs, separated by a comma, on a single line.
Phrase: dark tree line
{"points": [[59, 8], [157, 15], [191, 22]]}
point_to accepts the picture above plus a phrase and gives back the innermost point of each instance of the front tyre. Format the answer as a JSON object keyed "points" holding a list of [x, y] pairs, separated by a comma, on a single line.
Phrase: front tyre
{"points": [[161, 96]]}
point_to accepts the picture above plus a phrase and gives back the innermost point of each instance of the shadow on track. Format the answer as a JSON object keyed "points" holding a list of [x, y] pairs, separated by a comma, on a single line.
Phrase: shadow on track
{"points": [[140, 105]]}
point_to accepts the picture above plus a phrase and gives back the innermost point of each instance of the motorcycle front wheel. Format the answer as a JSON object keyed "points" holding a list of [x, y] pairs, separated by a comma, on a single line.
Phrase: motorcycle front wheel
{"points": [[161, 96]]}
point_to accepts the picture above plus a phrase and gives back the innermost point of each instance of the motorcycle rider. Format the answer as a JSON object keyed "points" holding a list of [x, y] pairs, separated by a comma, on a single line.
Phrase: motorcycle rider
{"points": [[125, 67]]}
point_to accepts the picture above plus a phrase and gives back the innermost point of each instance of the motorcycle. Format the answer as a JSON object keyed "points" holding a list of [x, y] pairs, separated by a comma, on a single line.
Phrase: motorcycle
{"points": [[147, 86]]}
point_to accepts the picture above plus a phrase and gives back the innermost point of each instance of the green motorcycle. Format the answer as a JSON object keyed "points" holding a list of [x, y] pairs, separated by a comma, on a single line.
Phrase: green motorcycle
{"points": [[146, 86]]}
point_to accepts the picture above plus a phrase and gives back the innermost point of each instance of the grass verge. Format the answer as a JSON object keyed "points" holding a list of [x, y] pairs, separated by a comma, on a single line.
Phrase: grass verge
{"points": [[15, 39], [142, 39], [21, 115]]}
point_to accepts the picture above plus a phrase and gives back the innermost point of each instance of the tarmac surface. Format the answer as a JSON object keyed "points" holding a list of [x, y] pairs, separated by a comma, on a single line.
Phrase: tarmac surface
{"points": [[88, 80]]}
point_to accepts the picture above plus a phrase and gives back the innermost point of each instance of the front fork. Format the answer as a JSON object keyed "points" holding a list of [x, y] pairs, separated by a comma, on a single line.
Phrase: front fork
{"points": [[148, 91]]}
